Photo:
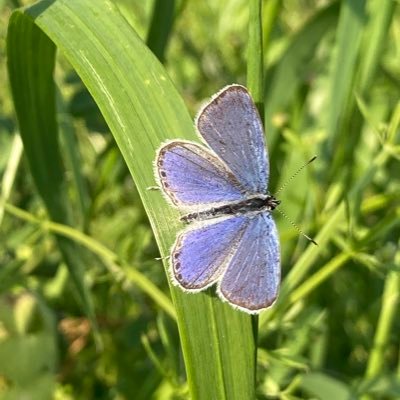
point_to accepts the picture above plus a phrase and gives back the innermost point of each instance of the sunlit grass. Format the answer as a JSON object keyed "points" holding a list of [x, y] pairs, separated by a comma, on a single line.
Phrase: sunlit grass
{"points": [[330, 88]]}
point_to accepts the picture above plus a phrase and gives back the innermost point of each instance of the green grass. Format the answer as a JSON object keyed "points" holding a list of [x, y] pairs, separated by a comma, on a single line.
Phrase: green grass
{"points": [[86, 310]]}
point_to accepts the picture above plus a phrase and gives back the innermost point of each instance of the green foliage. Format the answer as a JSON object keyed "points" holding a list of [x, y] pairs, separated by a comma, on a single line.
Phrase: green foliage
{"points": [[86, 310]]}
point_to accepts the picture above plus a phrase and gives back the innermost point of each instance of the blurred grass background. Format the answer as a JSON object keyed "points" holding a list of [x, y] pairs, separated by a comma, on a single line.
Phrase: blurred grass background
{"points": [[332, 89]]}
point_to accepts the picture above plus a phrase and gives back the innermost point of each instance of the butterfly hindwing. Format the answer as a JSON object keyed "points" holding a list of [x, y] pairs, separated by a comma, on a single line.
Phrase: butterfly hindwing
{"points": [[201, 254], [251, 280]]}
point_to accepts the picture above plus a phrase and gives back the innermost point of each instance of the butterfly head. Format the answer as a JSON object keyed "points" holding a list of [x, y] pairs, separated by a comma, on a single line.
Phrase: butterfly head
{"points": [[273, 202]]}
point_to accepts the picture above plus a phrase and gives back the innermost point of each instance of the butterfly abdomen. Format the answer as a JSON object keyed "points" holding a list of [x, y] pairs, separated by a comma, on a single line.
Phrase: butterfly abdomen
{"points": [[256, 204]]}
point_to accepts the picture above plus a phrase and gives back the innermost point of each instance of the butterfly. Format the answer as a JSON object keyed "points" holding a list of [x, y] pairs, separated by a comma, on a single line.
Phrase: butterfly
{"points": [[222, 191]]}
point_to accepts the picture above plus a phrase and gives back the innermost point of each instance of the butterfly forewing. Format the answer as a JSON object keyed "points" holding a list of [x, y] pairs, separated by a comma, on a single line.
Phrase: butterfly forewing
{"points": [[191, 176], [231, 126]]}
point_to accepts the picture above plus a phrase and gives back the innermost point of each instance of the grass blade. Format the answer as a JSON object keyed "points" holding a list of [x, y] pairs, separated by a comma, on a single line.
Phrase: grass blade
{"points": [[160, 28], [10, 172], [30, 66], [142, 109], [349, 34], [284, 80]]}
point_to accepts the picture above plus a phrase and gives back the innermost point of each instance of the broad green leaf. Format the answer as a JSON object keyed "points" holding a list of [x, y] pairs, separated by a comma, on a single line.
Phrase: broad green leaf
{"points": [[142, 109], [326, 388]]}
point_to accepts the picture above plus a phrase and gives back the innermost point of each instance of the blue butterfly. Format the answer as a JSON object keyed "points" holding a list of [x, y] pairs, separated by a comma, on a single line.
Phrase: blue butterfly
{"points": [[222, 189]]}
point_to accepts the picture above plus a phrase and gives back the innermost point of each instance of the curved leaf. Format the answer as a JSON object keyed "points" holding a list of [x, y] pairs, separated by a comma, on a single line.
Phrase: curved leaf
{"points": [[142, 109]]}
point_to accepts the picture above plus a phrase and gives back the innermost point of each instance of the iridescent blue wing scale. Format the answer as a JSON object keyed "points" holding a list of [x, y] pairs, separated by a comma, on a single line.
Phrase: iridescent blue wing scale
{"points": [[231, 126]]}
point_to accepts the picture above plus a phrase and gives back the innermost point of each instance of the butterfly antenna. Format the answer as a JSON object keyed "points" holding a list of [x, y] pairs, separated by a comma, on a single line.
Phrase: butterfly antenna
{"points": [[295, 174], [283, 214], [296, 227]]}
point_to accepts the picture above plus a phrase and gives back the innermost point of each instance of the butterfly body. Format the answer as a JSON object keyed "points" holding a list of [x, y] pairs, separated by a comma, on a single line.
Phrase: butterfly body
{"points": [[249, 206], [221, 188]]}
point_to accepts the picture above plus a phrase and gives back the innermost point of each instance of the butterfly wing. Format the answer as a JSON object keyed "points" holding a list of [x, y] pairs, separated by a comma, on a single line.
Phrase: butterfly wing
{"points": [[231, 126], [201, 255], [251, 281], [192, 176]]}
